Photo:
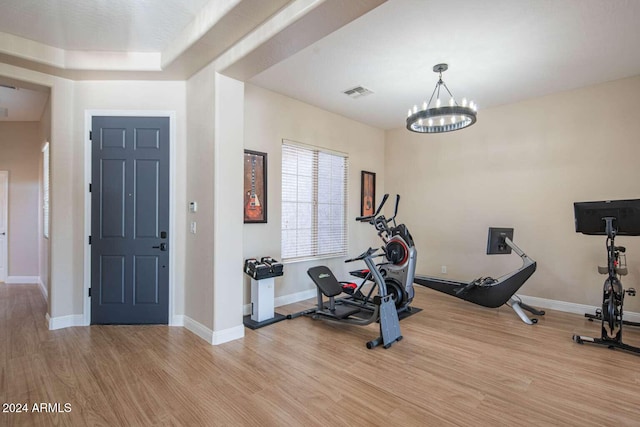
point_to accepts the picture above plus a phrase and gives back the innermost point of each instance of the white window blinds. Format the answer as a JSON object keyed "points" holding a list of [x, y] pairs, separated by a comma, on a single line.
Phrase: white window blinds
{"points": [[314, 202]]}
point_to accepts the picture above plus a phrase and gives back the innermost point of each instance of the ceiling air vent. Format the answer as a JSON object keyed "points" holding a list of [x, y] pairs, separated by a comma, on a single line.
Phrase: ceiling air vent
{"points": [[4, 112], [357, 92]]}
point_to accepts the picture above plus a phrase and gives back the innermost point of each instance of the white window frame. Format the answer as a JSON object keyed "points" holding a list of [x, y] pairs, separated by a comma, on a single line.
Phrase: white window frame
{"points": [[46, 167], [327, 234]]}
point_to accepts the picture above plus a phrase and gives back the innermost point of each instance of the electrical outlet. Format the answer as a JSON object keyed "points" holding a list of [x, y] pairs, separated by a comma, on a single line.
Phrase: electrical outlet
{"points": [[444, 269], [193, 227]]}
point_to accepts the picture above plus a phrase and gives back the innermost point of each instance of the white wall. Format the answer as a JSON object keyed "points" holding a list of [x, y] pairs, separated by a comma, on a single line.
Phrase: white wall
{"points": [[227, 209], [20, 155], [270, 118], [523, 166]]}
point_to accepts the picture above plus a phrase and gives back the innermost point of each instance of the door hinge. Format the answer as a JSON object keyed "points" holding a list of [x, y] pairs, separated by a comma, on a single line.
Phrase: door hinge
{"points": [[89, 239], [89, 187], [90, 136], [89, 291]]}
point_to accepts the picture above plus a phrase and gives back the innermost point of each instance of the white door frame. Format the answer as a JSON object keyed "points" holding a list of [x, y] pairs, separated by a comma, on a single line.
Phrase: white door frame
{"points": [[5, 241], [88, 116]]}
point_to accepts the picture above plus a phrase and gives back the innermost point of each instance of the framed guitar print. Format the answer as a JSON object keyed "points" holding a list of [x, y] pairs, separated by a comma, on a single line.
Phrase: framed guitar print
{"points": [[255, 187], [367, 193]]}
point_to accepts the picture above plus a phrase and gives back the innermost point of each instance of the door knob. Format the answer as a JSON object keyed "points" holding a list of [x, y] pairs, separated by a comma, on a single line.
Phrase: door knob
{"points": [[162, 247]]}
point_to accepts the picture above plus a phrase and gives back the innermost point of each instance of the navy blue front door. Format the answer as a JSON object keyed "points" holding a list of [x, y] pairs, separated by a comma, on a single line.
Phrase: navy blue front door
{"points": [[130, 220]]}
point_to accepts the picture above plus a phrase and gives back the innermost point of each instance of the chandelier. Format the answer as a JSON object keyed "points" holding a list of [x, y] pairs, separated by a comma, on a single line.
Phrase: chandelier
{"points": [[441, 118]]}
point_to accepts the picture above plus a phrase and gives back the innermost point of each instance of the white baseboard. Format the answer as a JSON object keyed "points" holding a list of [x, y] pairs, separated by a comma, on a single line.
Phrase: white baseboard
{"points": [[285, 299], [226, 335], [65, 321], [213, 337], [22, 280], [297, 297], [177, 320], [43, 289], [570, 307], [198, 328]]}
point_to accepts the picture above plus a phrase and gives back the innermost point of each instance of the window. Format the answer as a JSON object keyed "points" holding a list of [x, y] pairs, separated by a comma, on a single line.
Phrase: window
{"points": [[45, 190], [314, 203]]}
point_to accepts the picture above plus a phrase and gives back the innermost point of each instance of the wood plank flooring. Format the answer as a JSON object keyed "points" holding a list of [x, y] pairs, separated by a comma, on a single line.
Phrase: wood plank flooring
{"points": [[458, 364]]}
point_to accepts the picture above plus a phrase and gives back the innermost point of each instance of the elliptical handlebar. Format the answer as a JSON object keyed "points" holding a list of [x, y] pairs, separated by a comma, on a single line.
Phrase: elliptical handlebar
{"points": [[366, 254], [370, 218], [395, 211]]}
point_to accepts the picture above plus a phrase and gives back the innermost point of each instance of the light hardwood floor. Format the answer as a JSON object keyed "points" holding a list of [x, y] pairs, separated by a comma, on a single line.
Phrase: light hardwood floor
{"points": [[458, 364]]}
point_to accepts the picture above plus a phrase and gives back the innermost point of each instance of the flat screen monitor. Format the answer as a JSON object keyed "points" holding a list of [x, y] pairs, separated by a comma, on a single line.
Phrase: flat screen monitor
{"points": [[496, 242], [589, 217]]}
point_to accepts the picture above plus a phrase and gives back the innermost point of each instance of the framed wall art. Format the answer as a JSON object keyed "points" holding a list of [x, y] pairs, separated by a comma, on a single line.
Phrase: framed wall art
{"points": [[255, 187], [367, 193]]}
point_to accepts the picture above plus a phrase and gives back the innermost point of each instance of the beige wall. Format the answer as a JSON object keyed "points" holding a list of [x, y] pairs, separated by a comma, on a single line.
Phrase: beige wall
{"points": [[523, 166], [139, 96], [270, 118], [199, 246], [20, 155], [213, 274]]}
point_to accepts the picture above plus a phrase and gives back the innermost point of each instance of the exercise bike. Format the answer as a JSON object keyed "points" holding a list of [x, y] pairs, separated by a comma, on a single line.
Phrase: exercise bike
{"points": [[620, 266], [613, 293]]}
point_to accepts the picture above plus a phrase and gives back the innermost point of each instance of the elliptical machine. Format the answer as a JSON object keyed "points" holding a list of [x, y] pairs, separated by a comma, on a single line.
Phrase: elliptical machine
{"points": [[355, 311], [392, 279], [400, 255]]}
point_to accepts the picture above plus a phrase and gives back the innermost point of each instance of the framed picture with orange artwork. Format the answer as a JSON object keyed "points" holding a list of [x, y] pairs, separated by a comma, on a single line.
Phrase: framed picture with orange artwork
{"points": [[367, 193], [255, 187]]}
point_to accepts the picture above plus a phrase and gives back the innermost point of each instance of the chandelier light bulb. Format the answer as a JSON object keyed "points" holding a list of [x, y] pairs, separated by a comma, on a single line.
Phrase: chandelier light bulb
{"points": [[453, 119], [442, 121], [471, 105], [430, 122], [424, 105], [415, 109], [420, 122], [438, 103], [452, 102], [464, 102]]}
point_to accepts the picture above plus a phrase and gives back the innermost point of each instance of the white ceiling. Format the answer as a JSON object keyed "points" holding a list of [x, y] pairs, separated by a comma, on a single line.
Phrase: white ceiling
{"points": [[99, 25], [21, 102], [498, 51]]}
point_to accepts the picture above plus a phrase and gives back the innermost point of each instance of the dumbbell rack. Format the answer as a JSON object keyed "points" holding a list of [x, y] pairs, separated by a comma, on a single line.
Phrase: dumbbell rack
{"points": [[263, 274]]}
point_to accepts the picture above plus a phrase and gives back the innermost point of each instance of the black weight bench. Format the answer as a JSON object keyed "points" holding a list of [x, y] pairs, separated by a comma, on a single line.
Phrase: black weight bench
{"points": [[330, 287]]}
